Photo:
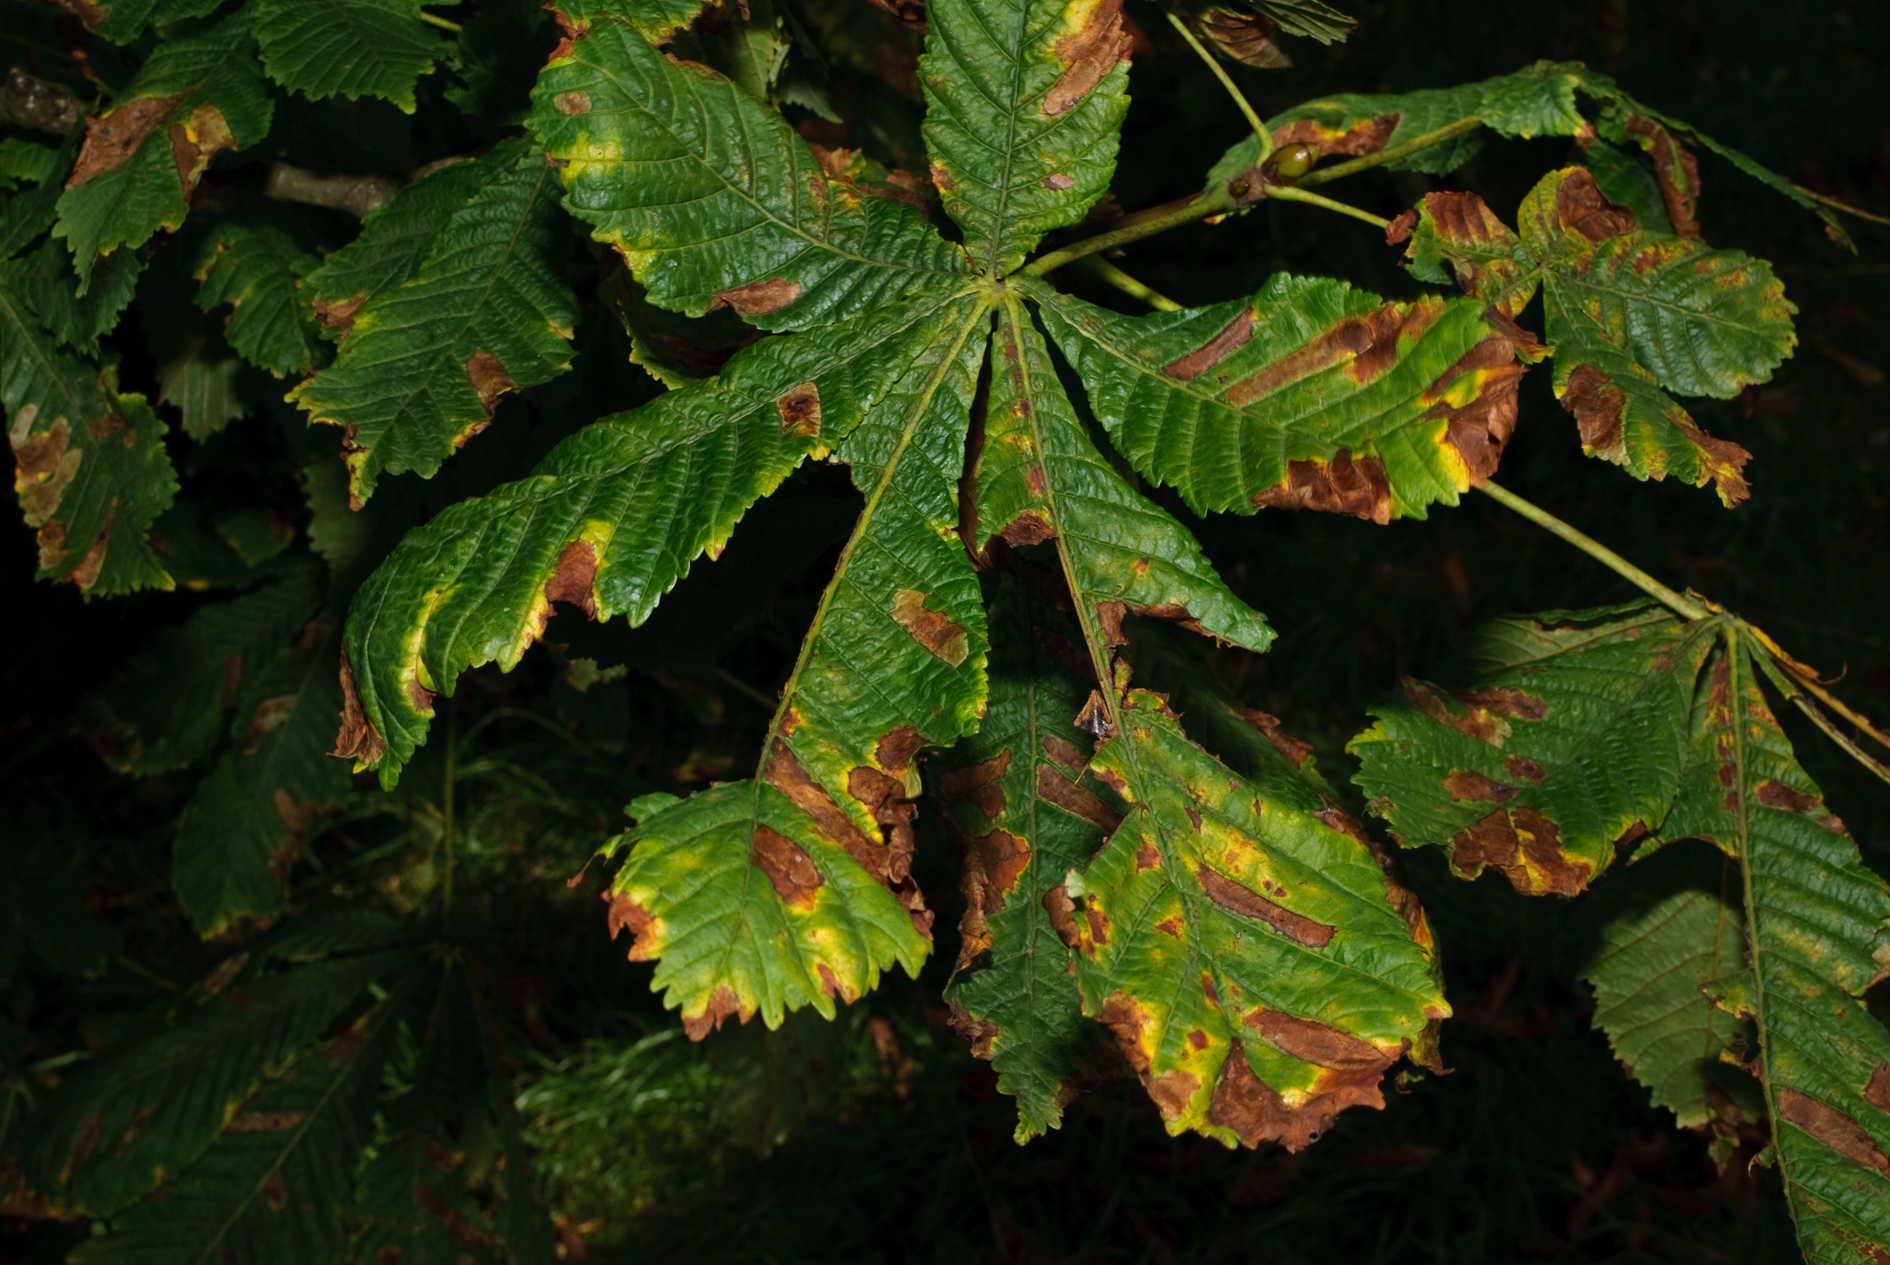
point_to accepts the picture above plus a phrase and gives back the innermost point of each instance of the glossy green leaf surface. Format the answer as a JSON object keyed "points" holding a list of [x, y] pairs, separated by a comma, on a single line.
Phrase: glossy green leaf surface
{"points": [[423, 365], [346, 48], [1024, 102], [1309, 395]]}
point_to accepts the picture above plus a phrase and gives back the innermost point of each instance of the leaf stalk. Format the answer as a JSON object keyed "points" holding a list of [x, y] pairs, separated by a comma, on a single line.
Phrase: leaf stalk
{"points": [[1109, 274], [440, 22], [1684, 607], [1216, 201], [1260, 131], [1290, 193]]}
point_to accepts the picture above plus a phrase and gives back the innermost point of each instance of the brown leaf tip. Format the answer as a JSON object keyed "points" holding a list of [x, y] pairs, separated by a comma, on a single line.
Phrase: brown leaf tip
{"points": [[757, 298], [357, 740], [800, 411], [721, 1004], [1089, 53]]}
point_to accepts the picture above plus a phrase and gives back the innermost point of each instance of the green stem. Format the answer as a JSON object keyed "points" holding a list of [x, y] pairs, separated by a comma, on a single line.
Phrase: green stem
{"points": [[1260, 131], [446, 799], [1287, 193], [442, 23], [1216, 201], [1845, 207], [1109, 274], [1427, 140], [1684, 607]]}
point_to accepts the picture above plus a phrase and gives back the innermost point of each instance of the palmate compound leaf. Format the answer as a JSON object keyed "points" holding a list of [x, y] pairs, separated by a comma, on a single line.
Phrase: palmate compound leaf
{"points": [[1025, 99], [193, 99], [153, 1103], [1020, 804], [1631, 315], [422, 365], [1661, 723], [712, 199], [347, 48], [1818, 935], [1309, 395], [1169, 931], [274, 1184], [1564, 735]]}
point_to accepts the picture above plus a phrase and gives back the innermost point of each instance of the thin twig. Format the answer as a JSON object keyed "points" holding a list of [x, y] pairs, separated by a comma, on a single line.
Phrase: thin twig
{"points": [[1427, 140], [1216, 201], [1838, 736], [1287, 193], [1260, 131], [1807, 676], [1684, 607], [440, 22], [1109, 274], [1845, 207]]}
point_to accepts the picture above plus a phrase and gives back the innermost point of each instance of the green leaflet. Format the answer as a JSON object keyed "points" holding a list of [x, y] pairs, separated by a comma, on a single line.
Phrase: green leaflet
{"points": [[1309, 395], [142, 159], [258, 271], [1243, 944], [611, 520], [123, 21], [205, 386], [1628, 313], [1673, 929], [90, 465], [1538, 101], [1024, 811], [713, 200], [348, 48], [241, 830], [423, 366], [1025, 100], [1818, 928], [169, 709], [655, 20], [158, 1098], [1564, 735], [47, 285], [396, 239], [1038, 475], [274, 1184], [781, 892]]}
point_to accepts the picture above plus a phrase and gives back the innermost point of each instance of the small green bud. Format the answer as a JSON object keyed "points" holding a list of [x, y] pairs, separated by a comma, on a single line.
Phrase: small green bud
{"points": [[1290, 162]]}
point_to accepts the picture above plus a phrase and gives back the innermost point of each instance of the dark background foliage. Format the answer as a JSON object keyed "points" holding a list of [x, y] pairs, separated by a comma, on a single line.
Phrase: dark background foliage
{"points": [[877, 1138]]}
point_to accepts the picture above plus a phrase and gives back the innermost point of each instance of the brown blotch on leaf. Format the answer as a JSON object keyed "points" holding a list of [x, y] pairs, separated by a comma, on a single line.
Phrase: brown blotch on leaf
{"points": [[44, 466], [571, 579], [627, 915], [1122, 1015], [339, 316], [489, 380], [789, 868], [1058, 181], [1528, 770], [980, 1032], [937, 632], [800, 411], [1295, 752], [1833, 1128], [195, 143], [263, 1121], [1054, 788], [882, 794], [1598, 406], [1364, 138], [978, 783], [1335, 346], [419, 695], [1241, 899], [1677, 170], [1064, 753], [1089, 54], [1779, 795], [1465, 219], [1147, 858], [357, 740], [1480, 429], [1877, 1092], [1238, 333], [1170, 927], [1504, 700], [1062, 911], [573, 103], [1340, 486], [722, 1004], [1028, 528], [1535, 864], [275, 1191], [113, 137], [1469, 786], [993, 864], [1098, 927], [1580, 205], [1312, 1042], [1399, 230], [1247, 1105], [1094, 718], [757, 298]]}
